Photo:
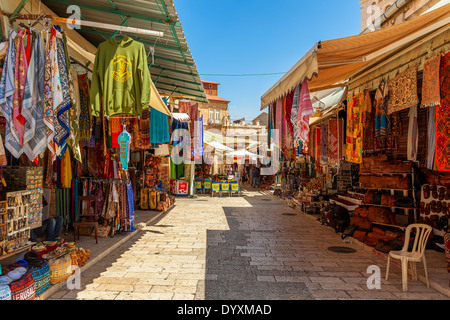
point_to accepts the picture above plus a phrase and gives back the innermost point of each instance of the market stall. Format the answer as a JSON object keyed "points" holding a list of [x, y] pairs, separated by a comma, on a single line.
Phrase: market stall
{"points": [[380, 150]]}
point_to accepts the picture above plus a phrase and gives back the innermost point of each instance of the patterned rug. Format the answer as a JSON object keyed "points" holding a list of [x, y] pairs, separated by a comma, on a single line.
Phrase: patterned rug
{"points": [[335, 140], [443, 118], [403, 91]]}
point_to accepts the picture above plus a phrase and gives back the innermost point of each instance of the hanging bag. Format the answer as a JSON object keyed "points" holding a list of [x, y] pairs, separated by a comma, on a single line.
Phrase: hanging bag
{"points": [[41, 277], [23, 289]]}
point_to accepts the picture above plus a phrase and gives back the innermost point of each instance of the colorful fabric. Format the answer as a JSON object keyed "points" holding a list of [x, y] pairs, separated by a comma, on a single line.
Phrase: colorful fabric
{"points": [[318, 144], [324, 143], [51, 81], [184, 106], [431, 136], [20, 77], [353, 152], [143, 137], [115, 129], [62, 109], [381, 117], [159, 125], [85, 115], [35, 135], [294, 114], [335, 140], [367, 121], [403, 91], [7, 98], [431, 95], [124, 141], [443, 117], [305, 110], [130, 207]]}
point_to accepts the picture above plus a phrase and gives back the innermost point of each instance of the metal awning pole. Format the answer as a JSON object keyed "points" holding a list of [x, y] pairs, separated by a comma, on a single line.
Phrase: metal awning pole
{"points": [[108, 26]]}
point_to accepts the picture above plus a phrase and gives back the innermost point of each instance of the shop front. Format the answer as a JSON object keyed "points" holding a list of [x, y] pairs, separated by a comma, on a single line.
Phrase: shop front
{"points": [[375, 158], [85, 145]]}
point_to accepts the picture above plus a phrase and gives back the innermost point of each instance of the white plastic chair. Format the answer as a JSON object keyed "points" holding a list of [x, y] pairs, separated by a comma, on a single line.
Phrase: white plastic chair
{"points": [[417, 253]]}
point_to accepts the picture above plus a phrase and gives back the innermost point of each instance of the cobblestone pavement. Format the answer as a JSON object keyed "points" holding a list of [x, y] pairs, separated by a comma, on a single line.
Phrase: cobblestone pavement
{"points": [[239, 248]]}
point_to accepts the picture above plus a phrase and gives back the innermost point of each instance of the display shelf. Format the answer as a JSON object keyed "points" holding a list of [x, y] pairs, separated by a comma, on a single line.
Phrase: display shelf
{"points": [[385, 174], [17, 251], [367, 188]]}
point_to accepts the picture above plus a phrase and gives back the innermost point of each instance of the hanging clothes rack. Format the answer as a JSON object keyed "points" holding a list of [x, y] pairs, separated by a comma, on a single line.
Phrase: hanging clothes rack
{"points": [[86, 23]]}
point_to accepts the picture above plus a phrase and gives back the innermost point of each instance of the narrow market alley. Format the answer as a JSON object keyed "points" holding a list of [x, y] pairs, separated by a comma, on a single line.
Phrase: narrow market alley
{"points": [[253, 247]]}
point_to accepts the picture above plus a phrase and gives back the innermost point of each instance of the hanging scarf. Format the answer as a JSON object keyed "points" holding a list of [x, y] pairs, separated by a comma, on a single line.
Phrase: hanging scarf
{"points": [[51, 91], [61, 116], [431, 146], [7, 98], [443, 117], [381, 119], [431, 95], [35, 141], [85, 119], [324, 143], [367, 121], [335, 140], [353, 152], [20, 76], [294, 114], [305, 110], [115, 129], [74, 114], [413, 135]]}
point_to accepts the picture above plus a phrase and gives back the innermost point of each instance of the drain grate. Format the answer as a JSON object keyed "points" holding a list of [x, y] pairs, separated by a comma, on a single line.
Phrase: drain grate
{"points": [[342, 249], [289, 214]]}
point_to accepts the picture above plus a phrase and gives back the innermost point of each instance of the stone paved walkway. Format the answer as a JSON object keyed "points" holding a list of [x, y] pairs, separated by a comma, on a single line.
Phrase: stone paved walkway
{"points": [[239, 248]]}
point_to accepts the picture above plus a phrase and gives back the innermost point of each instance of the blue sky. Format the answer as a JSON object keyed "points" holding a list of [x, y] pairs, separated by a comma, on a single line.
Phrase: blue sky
{"points": [[237, 37]]}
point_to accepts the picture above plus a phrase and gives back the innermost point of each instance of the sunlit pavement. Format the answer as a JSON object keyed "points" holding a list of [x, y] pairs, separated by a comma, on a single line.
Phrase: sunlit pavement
{"points": [[241, 248]]}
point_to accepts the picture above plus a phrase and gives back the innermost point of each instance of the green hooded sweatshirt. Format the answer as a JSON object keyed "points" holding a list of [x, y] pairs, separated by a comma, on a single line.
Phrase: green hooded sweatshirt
{"points": [[120, 79]]}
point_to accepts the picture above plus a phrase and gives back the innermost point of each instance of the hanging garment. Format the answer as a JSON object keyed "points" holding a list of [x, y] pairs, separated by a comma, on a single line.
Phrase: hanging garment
{"points": [[115, 128], [74, 114], [159, 126], [130, 211], [335, 140], [324, 143], [403, 91], [62, 109], [12, 143], [413, 135], [305, 110], [318, 144], [368, 122], [431, 136], [35, 135], [443, 117], [20, 76], [121, 78], [142, 141], [381, 117], [124, 142], [294, 114], [85, 120], [353, 152], [3, 52], [51, 82], [431, 95]]}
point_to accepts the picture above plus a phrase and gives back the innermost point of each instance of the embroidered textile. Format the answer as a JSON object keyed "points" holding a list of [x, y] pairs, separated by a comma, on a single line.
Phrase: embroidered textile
{"points": [[403, 91], [431, 95], [324, 143], [443, 118], [335, 140], [353, 152]]}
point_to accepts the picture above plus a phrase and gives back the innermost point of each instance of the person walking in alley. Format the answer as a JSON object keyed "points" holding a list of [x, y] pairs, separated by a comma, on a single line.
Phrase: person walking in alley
{"points": [[255, 177]]}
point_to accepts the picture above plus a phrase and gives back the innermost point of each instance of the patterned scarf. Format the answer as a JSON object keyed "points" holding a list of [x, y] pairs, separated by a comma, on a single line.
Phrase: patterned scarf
{"points": [[443, 117], [7, 97], [305, 109], [294, 114], [51, 82], [20, 76], [33, 103], [335, 140], [62, 110], [431, 95], [85, 119], [368, 122]]}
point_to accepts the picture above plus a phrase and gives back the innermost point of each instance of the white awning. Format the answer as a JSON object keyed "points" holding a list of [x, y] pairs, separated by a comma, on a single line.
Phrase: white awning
{"points": [[182, 117]]}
